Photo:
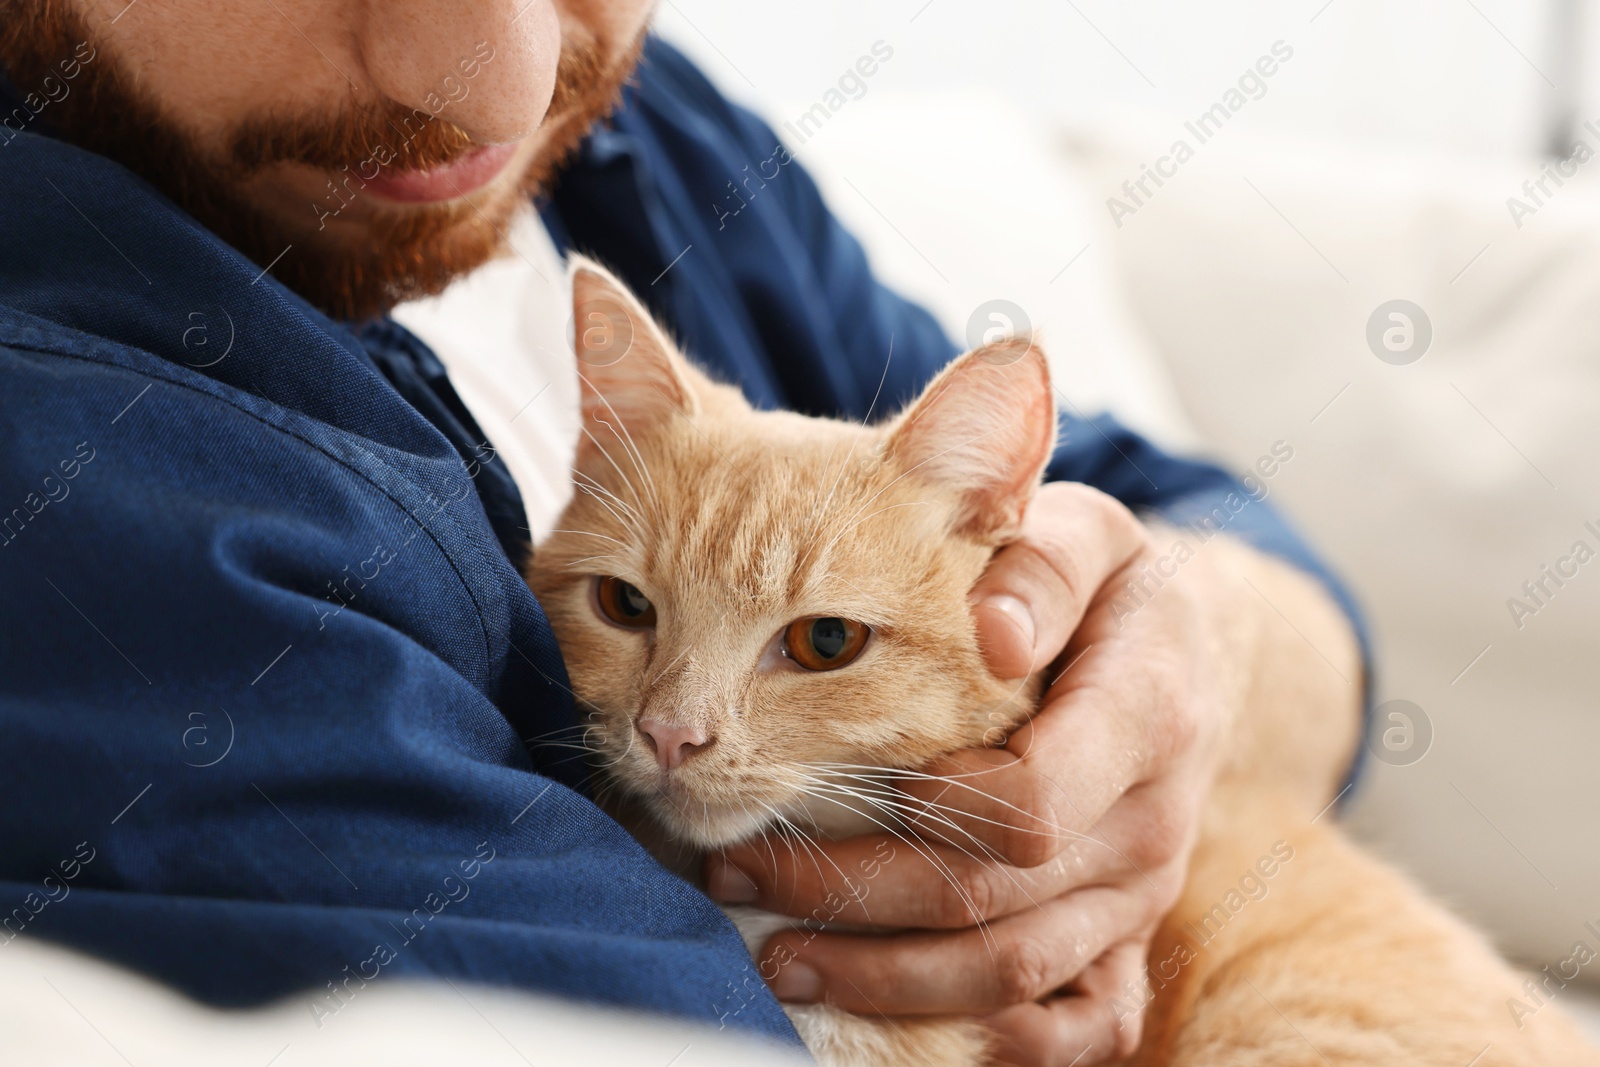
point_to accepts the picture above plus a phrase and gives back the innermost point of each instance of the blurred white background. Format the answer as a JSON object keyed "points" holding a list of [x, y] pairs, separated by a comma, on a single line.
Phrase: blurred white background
{"points": [[1230, 310], [1460, 76]]}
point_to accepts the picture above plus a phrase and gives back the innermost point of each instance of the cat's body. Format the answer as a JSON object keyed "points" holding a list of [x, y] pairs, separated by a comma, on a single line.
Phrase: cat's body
{"points": [[765, 615]]}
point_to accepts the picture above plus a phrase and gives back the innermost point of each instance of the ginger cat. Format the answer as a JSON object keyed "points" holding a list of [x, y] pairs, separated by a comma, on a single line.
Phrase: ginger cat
{"points": [[758, 608]]}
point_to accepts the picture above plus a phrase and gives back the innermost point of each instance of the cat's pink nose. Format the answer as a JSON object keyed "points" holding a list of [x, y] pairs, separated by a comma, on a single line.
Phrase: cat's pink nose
{"points": [[673, 742]]}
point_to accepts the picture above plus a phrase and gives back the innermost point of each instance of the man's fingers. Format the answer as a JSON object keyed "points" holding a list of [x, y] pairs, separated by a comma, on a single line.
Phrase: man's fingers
{"points": [[889, 882], [993, 803], [1101, 1020], [871, 879], [1109, 723], [1057, 775], [975, 971], [1036, 589]]}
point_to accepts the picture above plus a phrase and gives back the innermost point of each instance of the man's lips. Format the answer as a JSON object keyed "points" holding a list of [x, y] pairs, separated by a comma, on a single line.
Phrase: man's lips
{"points": [[472, 171]]}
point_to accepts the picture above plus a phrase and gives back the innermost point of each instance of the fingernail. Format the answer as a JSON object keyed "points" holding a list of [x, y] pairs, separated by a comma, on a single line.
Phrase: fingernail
{"points": [[1015, 612], [729, 884], [797, 983]]}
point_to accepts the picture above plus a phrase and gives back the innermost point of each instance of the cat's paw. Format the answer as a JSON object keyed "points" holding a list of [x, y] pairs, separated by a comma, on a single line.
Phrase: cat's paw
{"points": [[841, 1039]]}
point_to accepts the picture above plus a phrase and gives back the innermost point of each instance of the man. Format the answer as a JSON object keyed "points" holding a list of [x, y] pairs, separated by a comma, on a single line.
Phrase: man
{"points": [[272, 689]]}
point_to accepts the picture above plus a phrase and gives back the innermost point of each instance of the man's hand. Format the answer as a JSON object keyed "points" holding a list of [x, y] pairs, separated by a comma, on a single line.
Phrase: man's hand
{"points": [[1043, 866]]}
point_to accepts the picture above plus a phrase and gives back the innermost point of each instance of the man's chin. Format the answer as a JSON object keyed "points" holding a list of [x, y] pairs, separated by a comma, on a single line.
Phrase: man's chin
{"points": [[357, 251], [359, 256], [348, 249]]}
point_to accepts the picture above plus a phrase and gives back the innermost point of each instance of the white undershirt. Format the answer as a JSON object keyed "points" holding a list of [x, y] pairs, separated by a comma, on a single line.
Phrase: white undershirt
{"points": [[504, 334]]}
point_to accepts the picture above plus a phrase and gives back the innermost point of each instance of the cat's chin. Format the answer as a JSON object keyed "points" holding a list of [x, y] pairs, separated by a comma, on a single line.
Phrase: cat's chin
{"points": [[709, 827]]}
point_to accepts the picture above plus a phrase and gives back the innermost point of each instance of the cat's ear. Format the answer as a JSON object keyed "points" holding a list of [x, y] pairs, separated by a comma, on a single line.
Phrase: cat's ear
{"points": [[630, 373], [985, 427]]}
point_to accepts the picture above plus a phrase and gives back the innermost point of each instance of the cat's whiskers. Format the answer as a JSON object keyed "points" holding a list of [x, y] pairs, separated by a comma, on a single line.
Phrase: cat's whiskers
{"points": [[626, 749], [570, 727], [766, 838], [897, 805], [926, 853], [783, 821], [592, 533], [638, 498], [583, 480], [813, 848], [584, 731], [989, 856], [621, 519], [591, 559], [1049, 828], [818, 508], [887, 773], [625, 514], [575, 745], [584, 742], [575, 757], [637, 458], [819, 514], [614, 465], [606, 789], [793, 834], [574, 736]]}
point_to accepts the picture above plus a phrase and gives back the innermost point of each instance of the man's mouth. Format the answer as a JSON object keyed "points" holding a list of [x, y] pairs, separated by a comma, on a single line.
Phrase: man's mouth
{"points": [[477, 168]]}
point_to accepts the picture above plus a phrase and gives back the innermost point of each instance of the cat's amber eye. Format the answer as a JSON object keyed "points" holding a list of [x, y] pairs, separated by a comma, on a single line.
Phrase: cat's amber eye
{"points": [[624, 605], [824, 644]]}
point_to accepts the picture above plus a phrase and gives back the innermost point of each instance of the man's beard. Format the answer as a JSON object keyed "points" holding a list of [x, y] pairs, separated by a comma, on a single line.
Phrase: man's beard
{"points": [[351, 272]]}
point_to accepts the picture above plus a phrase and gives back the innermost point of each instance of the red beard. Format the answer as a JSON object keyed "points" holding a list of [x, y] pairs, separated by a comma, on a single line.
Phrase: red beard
{"points": [[349, 272]]}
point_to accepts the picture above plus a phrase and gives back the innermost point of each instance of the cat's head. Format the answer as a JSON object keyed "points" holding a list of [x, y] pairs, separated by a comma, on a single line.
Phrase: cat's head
{"points": [[754, 604]]}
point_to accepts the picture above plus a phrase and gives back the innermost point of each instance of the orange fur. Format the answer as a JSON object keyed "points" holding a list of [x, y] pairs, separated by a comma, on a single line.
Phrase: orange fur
{"points": [[734, 522]]}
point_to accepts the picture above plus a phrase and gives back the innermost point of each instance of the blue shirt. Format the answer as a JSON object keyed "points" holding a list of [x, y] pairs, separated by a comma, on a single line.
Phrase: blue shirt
{"points": [[273, 693]]}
